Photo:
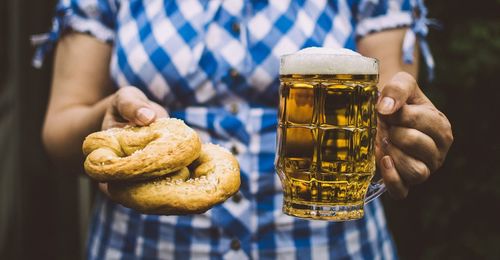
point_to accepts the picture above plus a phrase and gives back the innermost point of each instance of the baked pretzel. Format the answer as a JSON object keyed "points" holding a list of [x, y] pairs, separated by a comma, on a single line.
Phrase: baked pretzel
{"points": [[210, 180], [161, 168], [135, 153]]}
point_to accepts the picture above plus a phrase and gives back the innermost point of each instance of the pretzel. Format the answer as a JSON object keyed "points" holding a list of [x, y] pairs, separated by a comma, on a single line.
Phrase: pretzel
{"points": [[135, 153], [162, 168], [213, 178]]}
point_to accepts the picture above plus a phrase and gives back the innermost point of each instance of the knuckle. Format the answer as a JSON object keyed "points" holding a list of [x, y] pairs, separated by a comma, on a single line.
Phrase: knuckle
{"points": [[433, 109], [445, 126], [440, 114], [122, 100], [418, 173], [128, 96], [118, 94], [129, 89], [122, 94], [447, 134], [407, 137], [444, 122], [412, 117], [128, 92], [397, 86], [123, 91], [448, 137], [407, 80], [412, 137], [437, 162], [405, 75]]}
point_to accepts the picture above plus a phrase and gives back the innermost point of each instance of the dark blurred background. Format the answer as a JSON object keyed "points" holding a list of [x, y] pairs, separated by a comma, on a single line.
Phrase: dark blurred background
{"points": [[455, 215]]}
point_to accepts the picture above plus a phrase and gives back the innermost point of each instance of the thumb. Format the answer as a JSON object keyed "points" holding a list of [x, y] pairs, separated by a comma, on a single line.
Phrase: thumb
{"points": [[398, 91], [132, 105]]}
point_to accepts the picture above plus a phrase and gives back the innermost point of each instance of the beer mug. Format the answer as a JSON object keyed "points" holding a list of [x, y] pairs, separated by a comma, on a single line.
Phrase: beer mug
{"points": [[326, 133]]}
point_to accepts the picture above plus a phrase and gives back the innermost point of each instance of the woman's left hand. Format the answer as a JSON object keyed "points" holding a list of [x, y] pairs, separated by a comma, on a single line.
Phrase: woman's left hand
{"points": [[413, 137]]}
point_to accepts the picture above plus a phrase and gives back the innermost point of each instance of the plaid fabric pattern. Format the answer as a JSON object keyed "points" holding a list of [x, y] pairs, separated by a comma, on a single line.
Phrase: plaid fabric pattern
{"points": [[215, 65]]}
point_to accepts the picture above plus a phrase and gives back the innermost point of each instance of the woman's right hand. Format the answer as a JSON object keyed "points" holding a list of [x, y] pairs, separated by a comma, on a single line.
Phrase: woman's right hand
{"points": [[129, 106]]}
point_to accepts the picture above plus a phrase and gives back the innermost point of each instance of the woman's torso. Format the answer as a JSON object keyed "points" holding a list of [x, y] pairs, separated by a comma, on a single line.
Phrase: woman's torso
{"points": [[212, 52], [215, 64]]}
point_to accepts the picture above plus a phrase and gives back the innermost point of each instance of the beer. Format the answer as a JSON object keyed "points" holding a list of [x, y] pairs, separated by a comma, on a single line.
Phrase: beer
{"points": [[326, 132]]}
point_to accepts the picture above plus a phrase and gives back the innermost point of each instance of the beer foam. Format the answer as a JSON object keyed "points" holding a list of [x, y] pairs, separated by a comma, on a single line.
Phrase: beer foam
{"points": [[329, 61]]}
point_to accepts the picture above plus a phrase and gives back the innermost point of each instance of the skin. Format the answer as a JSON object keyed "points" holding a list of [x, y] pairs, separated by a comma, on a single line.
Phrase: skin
{"points": [[413, 136], [82, 101], [412, 141]]}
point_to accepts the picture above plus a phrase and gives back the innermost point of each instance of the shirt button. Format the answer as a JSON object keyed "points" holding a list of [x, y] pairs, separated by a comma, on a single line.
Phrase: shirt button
{"points": [[236, 27], [233, 108], [234, 150], [234, 73], [236, 198], [235, 244]]}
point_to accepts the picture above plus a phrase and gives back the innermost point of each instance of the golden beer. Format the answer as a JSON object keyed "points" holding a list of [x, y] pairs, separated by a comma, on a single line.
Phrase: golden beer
{"points": [[326, 133]]}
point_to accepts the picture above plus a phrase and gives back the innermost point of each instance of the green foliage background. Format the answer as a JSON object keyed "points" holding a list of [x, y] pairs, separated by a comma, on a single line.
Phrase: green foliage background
{"points": [[456, 214]]}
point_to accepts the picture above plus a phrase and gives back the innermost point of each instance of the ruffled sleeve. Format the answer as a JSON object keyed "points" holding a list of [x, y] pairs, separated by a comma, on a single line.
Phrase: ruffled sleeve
{"points": [[378, 15], [93, 17]]}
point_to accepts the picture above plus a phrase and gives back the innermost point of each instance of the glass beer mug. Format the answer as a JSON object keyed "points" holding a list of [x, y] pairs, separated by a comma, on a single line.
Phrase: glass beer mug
{"points": [[326, 133]]}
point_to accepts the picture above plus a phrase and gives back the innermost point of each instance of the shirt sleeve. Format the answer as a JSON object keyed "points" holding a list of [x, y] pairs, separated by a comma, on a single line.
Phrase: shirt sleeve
{"points": [[94, 17], [377, 15]]}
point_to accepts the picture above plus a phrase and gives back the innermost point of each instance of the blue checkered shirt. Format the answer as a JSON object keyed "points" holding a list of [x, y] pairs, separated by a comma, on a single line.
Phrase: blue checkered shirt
{"points": [[215, 65]]}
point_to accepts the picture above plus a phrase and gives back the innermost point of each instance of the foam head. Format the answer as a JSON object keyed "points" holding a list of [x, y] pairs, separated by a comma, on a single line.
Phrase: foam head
{"points": [[327, 61]]}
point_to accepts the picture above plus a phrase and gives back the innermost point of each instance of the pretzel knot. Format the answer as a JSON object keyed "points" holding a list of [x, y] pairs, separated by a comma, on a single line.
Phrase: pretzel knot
{"points": [[162, 168]]}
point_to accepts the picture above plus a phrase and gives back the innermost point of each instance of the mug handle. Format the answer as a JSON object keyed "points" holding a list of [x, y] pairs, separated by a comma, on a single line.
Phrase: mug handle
{"points": [[374, 190]]}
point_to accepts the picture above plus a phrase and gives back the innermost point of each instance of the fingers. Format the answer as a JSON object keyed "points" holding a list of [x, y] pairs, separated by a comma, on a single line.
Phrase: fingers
{"points": [[419, 134], [393, 182], [130, 106], [411, 170], [416, 144], [426, 119], [400, 90], [133, 106]]}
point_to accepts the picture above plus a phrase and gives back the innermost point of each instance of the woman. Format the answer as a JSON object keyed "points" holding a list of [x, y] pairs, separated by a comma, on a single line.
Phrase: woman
{"points": [[215, 65]]}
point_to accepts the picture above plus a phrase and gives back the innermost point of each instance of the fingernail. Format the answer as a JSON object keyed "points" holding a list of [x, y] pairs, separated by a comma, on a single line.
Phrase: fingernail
{"points": [[387, 162], [145, 115], [386, 105]]}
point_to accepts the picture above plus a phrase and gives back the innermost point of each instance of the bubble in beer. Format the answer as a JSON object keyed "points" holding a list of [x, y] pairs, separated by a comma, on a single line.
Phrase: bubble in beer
{"points": [[327, 61]]}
